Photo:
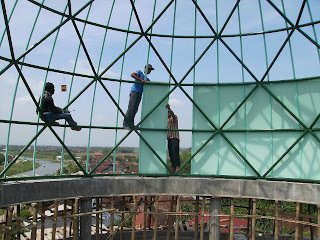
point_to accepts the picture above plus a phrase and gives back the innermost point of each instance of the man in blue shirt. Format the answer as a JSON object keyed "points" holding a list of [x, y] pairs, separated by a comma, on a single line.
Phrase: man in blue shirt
{"points": [[136, 94]]}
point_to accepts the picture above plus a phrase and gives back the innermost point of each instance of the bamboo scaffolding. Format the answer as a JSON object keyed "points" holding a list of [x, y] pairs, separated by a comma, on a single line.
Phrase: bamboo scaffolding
{"points": [[310, 220], [202, 218], [122, 216], [9, 222], [253, 219], [318, 207], [135, 204], [55, 216], [64, 220], [112, 217], [74, 222], [170, 218], [276, 221], [176, 233], [298, 208], [97, 219], [231, 222], [156, 219], [145, 218], [18, 222], [34, 221], [196, 222], [133, 236], [289, 214]]}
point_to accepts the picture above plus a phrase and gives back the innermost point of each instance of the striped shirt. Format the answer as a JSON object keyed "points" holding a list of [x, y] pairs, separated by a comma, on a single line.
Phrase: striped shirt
{"points": [[172, 124]]}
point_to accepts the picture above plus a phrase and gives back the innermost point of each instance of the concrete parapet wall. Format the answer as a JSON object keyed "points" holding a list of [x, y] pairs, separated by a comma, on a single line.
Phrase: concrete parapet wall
{"points": [[12, 193]]}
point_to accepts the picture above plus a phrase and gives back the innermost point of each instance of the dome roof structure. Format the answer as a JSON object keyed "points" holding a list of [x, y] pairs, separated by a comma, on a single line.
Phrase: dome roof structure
{"points": [[242, 76]]}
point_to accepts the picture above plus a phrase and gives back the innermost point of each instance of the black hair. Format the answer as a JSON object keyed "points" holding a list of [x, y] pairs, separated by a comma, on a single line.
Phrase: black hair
{"points": [[49, 87]]}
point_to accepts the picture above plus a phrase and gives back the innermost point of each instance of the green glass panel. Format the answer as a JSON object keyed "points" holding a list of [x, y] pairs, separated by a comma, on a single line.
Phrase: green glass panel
{"points": [[289, 167], [280, 144], [281, 118], [258, 151], [301, 162], [206, 161], [287, 94], [230, 99], [309, 99], [230, 163], [206, 99], [148, 161], [258, 110], [317, 125], [261, 111], [310, 166], [264, 112]]}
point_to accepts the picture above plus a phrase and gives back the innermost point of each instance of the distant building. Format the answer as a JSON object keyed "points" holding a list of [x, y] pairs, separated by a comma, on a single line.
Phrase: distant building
{"points": [[239, 224], [97, 154], [10, 157], [164, 206]]}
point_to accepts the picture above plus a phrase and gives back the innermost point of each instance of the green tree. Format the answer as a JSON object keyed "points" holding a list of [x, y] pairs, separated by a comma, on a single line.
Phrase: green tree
{"points": [[184, 157], [2, 157], [127, 223], [83, 158], [187, 207]]}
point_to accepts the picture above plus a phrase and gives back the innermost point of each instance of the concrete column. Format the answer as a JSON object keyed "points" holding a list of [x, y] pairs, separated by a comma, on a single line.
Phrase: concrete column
{"points": [[214, 225], [85, 221]]}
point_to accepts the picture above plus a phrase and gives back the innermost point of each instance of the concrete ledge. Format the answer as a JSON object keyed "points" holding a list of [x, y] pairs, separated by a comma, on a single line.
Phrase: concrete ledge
{"points": [[12, 193]]}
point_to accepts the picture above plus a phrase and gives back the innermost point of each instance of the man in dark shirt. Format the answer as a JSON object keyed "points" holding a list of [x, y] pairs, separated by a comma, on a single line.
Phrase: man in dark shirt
{"points": [[53, 113]]}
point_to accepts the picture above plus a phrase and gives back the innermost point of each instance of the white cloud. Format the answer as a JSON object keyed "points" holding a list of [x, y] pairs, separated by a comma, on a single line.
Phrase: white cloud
{"points": [[83, 66], [111, 74], [24, 100], [9, 78], [37, 86], [175, 102]]}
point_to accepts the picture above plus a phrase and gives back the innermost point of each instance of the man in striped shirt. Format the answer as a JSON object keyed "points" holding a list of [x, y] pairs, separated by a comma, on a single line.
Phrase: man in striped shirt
{"points": [[173, 140]]}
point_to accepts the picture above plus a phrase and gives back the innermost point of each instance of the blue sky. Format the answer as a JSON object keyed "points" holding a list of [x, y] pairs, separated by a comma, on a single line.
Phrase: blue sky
{"points": [[217, 65]]}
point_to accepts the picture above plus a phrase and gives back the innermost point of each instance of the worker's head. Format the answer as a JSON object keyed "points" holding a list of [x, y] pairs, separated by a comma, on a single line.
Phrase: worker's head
{"points": [[49, 87], [150, 68]]}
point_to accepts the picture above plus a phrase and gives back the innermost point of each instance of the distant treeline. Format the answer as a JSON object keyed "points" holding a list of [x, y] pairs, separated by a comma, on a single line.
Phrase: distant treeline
{"points": [[18, 148]]}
